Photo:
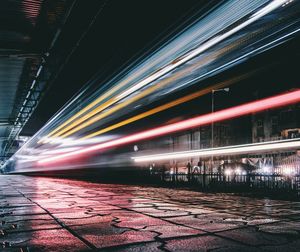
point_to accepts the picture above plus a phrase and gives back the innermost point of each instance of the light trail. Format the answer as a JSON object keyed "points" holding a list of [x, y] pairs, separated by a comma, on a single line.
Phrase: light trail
{"points": [[81, 112], [178, 62], [167, 105], [225, 151], [119, 106], [230, 113], [175, 63], [76, 126], [85, 117], [162, 83]]}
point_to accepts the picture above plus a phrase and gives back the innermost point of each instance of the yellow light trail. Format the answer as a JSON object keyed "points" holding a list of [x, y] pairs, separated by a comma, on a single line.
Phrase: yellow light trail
{"points": [[91, 105], [88, 107], [62, 129], [120, 105], [166, 106], [86, 117], [74, 127], [212, 41], [101, 107]]}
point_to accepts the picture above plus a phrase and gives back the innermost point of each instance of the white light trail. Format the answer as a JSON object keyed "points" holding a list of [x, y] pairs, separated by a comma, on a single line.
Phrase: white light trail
{"points": [[224, 151], [262, 12]]}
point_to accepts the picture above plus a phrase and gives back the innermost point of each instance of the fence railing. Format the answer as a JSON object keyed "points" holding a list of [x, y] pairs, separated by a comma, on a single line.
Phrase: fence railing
{"points": [[247, 182]]}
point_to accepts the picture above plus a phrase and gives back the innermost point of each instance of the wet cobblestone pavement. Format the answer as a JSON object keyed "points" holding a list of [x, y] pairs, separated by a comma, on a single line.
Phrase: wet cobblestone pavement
{"points": [[46, 214]]}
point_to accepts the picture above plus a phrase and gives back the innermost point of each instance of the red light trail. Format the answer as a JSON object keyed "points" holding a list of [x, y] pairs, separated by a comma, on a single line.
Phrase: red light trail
{"points": [[229, 113]]}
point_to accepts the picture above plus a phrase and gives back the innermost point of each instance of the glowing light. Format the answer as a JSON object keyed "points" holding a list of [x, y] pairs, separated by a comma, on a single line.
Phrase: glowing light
{"points": [[238, 171], [266, 170], [228, 172], [252, 107], [82, 111], [224, 151], [288, 171]]}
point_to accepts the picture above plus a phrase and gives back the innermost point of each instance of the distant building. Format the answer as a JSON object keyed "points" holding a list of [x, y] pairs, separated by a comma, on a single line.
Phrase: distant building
{"points": [[276, 124]]}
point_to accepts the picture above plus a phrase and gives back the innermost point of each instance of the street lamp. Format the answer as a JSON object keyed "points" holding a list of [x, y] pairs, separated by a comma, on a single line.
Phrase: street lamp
{"points": [[213, 91]]}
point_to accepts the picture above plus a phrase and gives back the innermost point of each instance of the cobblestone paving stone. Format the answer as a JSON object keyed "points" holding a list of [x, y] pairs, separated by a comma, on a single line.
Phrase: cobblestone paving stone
{"points": [[47, 214]]}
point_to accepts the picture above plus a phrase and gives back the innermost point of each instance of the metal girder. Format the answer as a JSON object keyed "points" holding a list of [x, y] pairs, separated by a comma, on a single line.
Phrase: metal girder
{"points": [[18, 54], [23, 115], [37, 85]]}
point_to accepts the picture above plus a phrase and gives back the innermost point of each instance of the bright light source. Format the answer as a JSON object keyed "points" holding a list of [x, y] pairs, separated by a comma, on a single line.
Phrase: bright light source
{"points": [[288, 171], [266, 170], [238, 171], [228, 172]]}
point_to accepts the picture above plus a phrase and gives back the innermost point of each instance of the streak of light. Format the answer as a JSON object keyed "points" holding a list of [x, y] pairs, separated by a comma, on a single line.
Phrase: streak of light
{"points": [[162, 83], [81, 112], [225, 114], [45, 153], [167, 106], [113, 109], [67, 142], [64, 128], [158, 74], [262, 12], [224, 151], [123, 104], [60, 150]]}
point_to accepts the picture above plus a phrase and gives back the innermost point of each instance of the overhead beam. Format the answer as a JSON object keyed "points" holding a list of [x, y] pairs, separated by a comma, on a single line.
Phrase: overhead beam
{"points": [[10, 53]]}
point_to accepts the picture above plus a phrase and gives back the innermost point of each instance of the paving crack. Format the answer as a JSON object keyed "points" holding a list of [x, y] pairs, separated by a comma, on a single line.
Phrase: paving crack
{"points": [[62, 224]]}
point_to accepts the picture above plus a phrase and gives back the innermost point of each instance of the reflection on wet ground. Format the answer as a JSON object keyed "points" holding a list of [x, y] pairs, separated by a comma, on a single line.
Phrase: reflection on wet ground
{"points": [[46, 214]]}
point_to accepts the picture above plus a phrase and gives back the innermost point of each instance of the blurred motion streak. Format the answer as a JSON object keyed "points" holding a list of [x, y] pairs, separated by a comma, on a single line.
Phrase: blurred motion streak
{"points": [[229, 113], [81, 112], [181, 60], [128, 86], [119, 106], [224, 151], [168, 105], [189, 63]]}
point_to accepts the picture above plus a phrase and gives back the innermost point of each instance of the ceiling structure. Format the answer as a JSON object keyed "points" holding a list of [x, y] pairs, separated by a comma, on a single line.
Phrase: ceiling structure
{"points": [[27, 30]]}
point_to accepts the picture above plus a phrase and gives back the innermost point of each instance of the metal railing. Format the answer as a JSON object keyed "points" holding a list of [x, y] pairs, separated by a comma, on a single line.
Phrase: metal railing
{"points": [[248, 182]]}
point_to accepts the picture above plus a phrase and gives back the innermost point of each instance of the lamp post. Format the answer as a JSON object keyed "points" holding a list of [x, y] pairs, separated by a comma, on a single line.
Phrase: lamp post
{"points": [[213, 91]]}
